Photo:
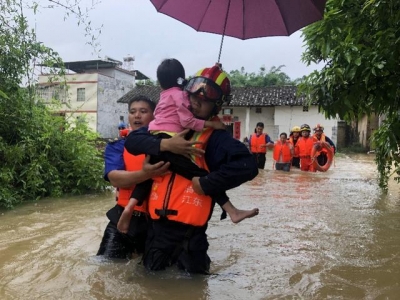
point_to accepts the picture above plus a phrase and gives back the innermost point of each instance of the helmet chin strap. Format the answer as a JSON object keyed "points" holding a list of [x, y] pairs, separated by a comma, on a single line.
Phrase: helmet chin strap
{"points": [[216, 109]]}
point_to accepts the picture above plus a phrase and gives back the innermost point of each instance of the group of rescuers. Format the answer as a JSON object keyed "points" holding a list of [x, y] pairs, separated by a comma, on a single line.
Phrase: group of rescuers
{"points": [[293, 151], [175, 164]]}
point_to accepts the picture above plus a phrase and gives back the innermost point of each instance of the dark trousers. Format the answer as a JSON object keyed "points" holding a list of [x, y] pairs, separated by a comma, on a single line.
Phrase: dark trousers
{"points": [[169, 243], [296, 162], [260, 159], [322, 159], [119, 245], [283, 166]]}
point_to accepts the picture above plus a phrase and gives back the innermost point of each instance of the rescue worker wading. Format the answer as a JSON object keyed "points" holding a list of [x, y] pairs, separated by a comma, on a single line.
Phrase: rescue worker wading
{"points": [[123, 170], [294, 137], [283, 153], [180, 208], [303, 149], [319, 136], [258, 144]]}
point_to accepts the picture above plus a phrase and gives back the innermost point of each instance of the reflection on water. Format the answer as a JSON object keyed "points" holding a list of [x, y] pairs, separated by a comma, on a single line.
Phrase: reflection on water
{"points": [[326, 235]]}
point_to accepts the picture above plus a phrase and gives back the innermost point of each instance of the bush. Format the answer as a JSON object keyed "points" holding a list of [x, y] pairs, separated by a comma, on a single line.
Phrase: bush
{"points": [[42, 155]]}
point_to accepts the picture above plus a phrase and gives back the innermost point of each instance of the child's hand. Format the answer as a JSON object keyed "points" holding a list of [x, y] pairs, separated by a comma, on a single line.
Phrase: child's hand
{"points": [[215, 125]]}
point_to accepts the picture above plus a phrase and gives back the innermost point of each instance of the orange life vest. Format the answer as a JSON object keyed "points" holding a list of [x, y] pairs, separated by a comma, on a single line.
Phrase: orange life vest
{"points": [[282, 152], [256, 142], [304, 147], [293, 142], [132, 163], [172, 195]]}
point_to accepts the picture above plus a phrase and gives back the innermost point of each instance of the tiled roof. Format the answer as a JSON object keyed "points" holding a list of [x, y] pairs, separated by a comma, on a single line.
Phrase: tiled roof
{"points": [[241, 96], [266, 96], [153, 92]]}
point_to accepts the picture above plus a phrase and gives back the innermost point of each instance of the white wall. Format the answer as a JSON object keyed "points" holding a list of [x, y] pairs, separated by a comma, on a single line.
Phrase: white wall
{"points": [[247, 125], [286, 117], [281, 119], [102, 90], [75, 108]]}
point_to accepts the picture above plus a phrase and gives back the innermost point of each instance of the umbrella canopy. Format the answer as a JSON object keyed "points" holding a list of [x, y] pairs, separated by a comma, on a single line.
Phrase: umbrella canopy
{"points": [[244, 19]]}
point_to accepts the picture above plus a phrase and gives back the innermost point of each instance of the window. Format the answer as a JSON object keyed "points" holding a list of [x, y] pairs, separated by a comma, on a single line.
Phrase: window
{"points": [[258, 110], [80, 94], [305, 108], [44, 93], [227, 111], [50, 93]]}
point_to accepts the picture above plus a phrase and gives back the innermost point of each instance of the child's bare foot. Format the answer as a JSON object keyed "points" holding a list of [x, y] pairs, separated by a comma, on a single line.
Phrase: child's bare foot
{"points": [[239, 215], [124, 220]]}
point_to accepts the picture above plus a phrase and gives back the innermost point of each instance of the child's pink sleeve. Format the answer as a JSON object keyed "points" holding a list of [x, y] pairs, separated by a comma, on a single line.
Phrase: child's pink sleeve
{"points": [[186, 117]]}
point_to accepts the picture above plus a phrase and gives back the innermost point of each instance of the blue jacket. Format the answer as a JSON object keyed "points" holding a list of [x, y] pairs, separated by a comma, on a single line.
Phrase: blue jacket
{"points": [[228, 159], [113, 157]]}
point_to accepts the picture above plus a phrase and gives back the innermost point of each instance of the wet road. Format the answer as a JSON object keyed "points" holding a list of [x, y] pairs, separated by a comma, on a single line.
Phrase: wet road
{"points": [[330, 235]]}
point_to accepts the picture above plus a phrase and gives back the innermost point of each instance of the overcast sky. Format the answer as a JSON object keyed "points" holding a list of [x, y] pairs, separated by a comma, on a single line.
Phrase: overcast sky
{"points": [[134, 27]]}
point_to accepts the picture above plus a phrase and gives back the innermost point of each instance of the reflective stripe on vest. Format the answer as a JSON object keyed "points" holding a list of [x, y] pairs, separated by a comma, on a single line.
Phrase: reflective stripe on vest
{"points": [[172, 195]]}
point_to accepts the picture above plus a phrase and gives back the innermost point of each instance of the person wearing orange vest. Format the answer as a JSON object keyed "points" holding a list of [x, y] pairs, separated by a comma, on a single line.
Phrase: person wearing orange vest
{"points": [[319, 136], [304, 147], [179, 208], [293, 138], [283, 153], [258, 144], [123, 170], [169, 124]]}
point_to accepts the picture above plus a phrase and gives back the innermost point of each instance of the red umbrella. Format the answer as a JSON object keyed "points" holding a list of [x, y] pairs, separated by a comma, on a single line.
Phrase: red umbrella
{"points": [[244, 19]]}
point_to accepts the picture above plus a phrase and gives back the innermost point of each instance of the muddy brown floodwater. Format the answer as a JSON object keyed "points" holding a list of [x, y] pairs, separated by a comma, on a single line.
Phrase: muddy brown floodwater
{"points": [[330, 235]]}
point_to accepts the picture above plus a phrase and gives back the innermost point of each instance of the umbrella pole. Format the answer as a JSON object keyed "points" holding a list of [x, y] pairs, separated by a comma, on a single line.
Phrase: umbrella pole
{"points": [[223, 34], [220, 48]]}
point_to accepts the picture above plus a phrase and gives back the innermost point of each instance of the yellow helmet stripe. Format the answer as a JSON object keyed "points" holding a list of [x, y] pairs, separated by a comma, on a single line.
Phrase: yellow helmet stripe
{"points": [[220, 78], [199, 73]]}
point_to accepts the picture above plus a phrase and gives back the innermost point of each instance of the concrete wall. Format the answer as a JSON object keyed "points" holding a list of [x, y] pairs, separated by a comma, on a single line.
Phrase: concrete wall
{"points": [[110, 89], [366, 126], [341, 135], [100, 108], [281, 119], [78, 109]]}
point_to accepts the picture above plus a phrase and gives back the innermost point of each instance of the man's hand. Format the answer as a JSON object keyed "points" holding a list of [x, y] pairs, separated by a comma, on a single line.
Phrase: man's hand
{"points": [[154, 170], [270, 145], [178, 145]]}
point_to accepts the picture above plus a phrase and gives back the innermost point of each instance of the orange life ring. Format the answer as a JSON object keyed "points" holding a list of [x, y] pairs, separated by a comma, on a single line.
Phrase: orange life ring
{"points": [[318, 146]]}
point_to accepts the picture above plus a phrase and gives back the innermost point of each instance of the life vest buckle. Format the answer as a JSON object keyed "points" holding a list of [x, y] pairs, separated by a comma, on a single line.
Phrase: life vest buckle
{"points": [[166, 212]]}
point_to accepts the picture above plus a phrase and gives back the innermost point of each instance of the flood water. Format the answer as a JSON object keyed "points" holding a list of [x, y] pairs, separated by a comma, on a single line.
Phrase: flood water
{"points": [[330, 235]]}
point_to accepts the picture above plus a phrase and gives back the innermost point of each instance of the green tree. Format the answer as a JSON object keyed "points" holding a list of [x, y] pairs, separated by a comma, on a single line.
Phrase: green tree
{"points": [[359, 43], [275, 76], [41, 155]]}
